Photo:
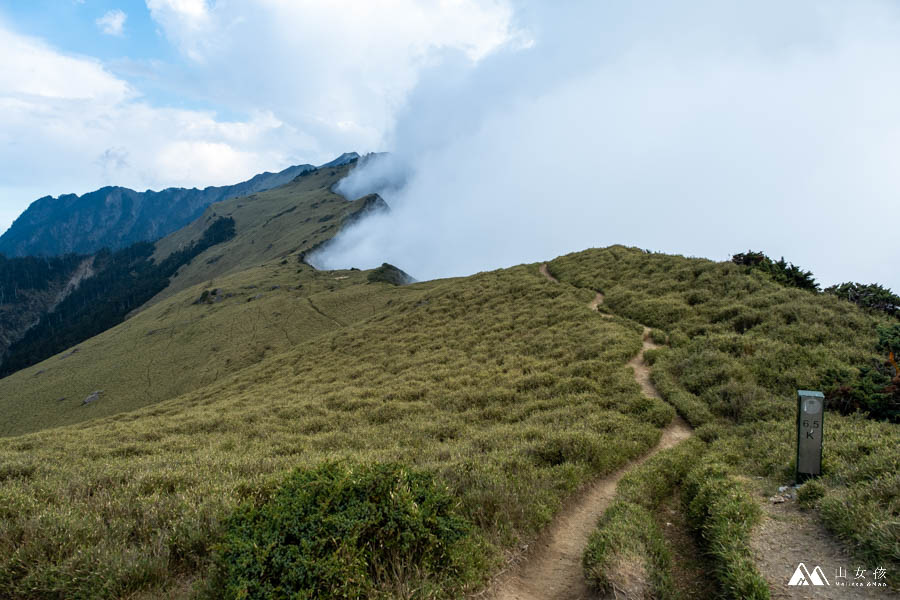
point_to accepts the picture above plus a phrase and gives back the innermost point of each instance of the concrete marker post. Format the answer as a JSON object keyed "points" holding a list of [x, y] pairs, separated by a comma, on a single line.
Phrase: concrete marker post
{"points": [[810, 422]]}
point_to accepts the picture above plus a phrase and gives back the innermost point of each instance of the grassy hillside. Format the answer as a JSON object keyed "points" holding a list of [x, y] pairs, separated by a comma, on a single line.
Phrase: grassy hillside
{"points": [[739, 347], [183, 343], [504, 385], [270, 225], [177, 346]]}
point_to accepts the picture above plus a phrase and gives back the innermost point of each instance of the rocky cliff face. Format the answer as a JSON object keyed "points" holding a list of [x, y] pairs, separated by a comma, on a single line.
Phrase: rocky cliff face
{"points": [[116, 217]]}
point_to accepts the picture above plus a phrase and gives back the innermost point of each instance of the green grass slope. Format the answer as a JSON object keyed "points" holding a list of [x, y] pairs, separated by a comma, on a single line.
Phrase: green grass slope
{"points": [[270, 225], [503, 385], [739, 348], [190, 340], [171, 346]]}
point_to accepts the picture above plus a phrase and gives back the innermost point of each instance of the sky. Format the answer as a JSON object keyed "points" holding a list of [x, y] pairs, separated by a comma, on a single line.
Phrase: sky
{"points": [[518, 130]]}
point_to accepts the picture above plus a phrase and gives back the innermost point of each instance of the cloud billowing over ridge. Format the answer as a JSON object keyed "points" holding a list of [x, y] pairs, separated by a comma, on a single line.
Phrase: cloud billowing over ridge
{"points": [[703, 130], [214, 92]]}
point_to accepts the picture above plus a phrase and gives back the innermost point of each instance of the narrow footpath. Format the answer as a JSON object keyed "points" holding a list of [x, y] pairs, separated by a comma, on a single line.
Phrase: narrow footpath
{"points": [[551, 569]]}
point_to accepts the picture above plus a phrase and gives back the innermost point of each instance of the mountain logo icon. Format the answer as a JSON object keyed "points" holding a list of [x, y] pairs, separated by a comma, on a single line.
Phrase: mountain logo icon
{"points": [[802, 576]]}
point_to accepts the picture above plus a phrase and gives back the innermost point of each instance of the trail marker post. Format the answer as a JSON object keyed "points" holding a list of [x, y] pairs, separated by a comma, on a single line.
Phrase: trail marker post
{"points": [[810, 419]]}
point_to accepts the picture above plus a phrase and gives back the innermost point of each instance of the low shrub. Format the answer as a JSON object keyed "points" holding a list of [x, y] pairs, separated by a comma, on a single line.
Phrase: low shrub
{"points": [[658, 336], [651, 355], [343, 532], [653, 481], [651, 410], [693, 409], [865, 517], [809, 494], [868, 389]]}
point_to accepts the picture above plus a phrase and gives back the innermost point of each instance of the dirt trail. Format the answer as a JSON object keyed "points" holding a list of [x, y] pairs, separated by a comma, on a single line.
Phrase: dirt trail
{"points": [[546, 273], [552, 568], [641, 369], [789, 536]]}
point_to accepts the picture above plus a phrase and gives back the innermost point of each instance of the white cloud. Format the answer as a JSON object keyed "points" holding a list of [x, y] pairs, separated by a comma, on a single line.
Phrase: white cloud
{"points": [[523, 128], [315, 78], [113, 22], [703, 129], [69, 125], [186, 23], [31, 69], [189, 10], [337, 70]]}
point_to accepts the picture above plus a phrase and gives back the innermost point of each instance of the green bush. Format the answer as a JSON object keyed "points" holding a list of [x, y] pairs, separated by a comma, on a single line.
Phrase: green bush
{"points": [[658, 336], [695, 411], [780, 271], [343, 532], [889, 338], [865, 517], [652, 482], [651, 355], [867, 389], [871, 296], [810, 493]]}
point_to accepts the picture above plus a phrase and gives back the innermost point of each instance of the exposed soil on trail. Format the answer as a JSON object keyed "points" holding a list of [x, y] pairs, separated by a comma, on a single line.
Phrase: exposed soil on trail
{"points": [[641, 369], [546, 273], [551, 568], [789, 536]]}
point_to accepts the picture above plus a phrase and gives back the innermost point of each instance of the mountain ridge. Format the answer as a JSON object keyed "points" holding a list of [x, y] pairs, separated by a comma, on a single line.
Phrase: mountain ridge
{"points": [[115, 216]]}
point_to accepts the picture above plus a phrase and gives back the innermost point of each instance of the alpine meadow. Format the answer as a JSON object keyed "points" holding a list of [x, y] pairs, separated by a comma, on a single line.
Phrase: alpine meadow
{"points": [[490, 355]]}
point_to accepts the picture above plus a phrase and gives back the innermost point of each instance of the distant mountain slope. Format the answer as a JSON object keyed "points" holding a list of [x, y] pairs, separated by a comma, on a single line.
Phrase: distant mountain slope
{"points": [[116, 217], [190, 340], [344, 159], [289, 220], [30, 287], [115, 284], [270, 233]]}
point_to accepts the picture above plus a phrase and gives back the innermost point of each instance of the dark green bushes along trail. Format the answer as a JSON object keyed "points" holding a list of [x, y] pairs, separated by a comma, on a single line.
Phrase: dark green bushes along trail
{"points": [[780, 271]]}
